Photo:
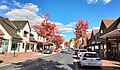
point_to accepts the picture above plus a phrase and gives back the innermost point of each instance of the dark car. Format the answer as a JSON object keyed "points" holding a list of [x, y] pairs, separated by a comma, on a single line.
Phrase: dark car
{"points": [[48, 51]]}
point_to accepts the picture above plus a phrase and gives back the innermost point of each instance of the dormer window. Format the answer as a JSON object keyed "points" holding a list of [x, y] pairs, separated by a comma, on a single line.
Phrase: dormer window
{"points": [[25, 33], [31, 35], [101, 31]]}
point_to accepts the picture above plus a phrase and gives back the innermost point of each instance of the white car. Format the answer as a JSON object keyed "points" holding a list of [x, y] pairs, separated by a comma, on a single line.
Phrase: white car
{"points": [[90, 59], [81, 51]]}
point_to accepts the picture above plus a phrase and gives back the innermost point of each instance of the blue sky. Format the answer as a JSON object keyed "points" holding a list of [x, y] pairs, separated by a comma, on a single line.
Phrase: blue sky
{"points": [[63, 12]]}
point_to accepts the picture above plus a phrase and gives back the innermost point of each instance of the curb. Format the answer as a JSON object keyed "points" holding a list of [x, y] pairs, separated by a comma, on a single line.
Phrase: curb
{"points": [[4, 64]]}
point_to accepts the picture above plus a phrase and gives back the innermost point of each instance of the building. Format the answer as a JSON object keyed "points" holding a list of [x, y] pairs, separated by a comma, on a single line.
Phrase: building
{"points": [[10, 40], [106, 39], [111, 37], [19, 36], [93, 44]]}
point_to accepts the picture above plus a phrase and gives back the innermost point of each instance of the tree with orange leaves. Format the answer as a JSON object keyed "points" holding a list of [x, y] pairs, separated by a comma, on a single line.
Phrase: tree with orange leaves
{"points": [[46, 29], [58, 40], [80, 31]]}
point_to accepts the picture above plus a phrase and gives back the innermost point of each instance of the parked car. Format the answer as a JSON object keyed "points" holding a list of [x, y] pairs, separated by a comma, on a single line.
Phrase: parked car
{"points": [[78, 53], [81, 51], [64, 50], [48, 51], [90, 59]]}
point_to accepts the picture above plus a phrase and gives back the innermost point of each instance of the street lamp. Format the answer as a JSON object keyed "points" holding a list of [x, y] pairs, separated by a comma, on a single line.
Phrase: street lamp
{"points": [[15, 32]]}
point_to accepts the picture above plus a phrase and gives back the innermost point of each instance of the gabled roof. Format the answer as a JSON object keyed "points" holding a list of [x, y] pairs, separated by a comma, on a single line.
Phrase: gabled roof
{"points": [[20, 24], [9, 27], [113, 26], [95, 31], [8, 22], [108, 22]]}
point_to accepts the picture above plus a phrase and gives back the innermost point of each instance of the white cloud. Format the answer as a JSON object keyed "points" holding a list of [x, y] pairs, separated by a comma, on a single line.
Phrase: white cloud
{"points": [[31, 7], [89, 30], [63, 28], [3, 7], [27, 12], [106, 1], [97, 1], [96, 27], [72, 24], [92, 1]]}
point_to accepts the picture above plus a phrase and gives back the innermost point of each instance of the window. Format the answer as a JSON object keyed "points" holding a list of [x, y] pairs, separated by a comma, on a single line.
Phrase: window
{"points": [[14, 47], [101, 31], [31, 35], [23, 45], [90, 55], [32, 46], [27, 47], [6, 43], [25, 34]]}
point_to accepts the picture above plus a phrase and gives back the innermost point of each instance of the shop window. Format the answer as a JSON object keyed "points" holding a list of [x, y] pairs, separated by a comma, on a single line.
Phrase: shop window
{"points": [[27, 47], [32, 46]]}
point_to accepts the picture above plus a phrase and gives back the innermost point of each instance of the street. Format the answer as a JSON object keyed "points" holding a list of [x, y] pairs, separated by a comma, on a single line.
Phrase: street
{"points": [[59, 61]]}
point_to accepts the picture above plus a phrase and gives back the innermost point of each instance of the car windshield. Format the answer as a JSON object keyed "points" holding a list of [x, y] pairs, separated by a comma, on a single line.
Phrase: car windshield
{"points": [[83, 51], [90, 55]]}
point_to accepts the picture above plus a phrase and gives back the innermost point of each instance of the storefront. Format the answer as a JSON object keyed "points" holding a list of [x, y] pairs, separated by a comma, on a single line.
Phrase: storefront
{"points": [[112, 40]]}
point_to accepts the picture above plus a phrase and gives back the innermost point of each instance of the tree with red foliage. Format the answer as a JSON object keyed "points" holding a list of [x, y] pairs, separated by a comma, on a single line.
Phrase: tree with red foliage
{"points": [[67, 44], [80, 31], [46, 29], [58, 40], [81, 28]]}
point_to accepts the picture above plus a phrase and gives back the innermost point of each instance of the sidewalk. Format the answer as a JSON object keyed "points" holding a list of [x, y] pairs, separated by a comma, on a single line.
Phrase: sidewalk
{"points": [[20, 57], [110, 63]]}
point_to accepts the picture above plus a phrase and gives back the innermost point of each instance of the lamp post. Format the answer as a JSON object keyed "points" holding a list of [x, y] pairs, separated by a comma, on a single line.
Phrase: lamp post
{"points": [[15, 32]]}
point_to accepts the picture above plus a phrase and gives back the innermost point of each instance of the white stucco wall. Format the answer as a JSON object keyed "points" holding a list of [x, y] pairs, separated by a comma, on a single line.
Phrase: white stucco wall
{"points": [[7, 36], [25, 39], [35, 37], [35, 34]]}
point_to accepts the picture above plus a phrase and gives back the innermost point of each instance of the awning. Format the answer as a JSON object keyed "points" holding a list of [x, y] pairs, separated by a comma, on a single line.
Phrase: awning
{"points": [[114, 33], [16, 37]]}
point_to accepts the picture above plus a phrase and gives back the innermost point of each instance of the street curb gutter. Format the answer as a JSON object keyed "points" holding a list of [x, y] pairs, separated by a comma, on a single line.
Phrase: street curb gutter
{"points": [[4, 64]]}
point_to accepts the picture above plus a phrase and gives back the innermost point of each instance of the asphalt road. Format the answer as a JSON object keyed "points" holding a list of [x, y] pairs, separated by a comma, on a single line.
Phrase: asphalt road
{"points": [[60, 61]]}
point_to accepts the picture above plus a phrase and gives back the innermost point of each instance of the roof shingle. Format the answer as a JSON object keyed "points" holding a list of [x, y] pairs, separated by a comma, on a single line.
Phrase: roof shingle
{"points": [[9, 27], [20, 24], [108, 22]]}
